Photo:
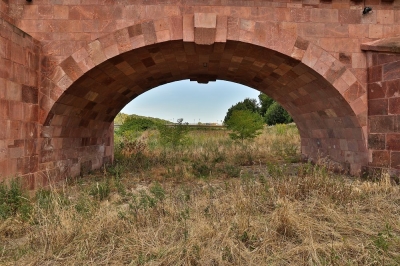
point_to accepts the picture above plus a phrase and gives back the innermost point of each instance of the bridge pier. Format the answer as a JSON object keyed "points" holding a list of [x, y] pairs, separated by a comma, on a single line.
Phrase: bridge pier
{"points": [[383, 58]]}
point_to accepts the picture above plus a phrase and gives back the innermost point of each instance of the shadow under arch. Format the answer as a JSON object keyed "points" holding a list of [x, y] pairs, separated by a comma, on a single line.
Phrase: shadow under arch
{"points": [[77, 134]]}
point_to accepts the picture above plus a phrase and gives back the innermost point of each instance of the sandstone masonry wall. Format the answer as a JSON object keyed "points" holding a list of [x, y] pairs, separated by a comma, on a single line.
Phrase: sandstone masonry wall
{"points": [[19, 128], [384, 105]]}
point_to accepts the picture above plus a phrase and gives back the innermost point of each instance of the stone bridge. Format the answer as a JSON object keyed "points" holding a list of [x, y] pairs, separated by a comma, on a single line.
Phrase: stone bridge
{"points": [[67, 67]]}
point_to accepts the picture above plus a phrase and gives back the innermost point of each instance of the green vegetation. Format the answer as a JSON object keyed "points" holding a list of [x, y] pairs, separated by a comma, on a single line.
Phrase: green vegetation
{"points": [[244, 125], [271, 111], [13, 201], [134, 124], [174, 135], [277, 115], [212, 201], [246, 104]]}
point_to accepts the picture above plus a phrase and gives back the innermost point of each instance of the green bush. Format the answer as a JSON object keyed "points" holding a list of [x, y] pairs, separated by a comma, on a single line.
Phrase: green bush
{"points": [[244, 124], [276, 114], [173, 135], [136, 124]]}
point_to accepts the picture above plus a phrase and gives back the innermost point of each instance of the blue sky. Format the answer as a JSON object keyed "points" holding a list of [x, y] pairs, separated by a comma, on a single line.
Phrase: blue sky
{"points": [[207, 103]]}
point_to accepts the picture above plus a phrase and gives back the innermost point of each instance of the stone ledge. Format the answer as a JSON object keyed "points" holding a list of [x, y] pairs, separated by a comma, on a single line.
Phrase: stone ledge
{"points": [[391, 45]]}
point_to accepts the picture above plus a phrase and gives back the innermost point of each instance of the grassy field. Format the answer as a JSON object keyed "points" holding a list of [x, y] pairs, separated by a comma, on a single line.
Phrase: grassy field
{"points": [[209, 201]]}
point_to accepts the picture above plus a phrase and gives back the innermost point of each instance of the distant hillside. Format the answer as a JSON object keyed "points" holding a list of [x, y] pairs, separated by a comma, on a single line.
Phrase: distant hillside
{"points": [[121, 117]]}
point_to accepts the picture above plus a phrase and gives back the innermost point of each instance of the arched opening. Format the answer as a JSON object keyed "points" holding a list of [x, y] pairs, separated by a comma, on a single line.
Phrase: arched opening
{"points": [[191, 101], [77, 131]]}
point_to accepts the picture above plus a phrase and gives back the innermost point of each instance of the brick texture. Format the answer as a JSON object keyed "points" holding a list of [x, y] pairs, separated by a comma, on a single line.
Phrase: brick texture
{"points": [[93, 57]]}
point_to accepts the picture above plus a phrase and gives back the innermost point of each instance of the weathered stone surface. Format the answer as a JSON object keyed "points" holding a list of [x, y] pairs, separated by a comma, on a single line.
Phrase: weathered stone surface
{"points": [[305, 54], [205, 28]]}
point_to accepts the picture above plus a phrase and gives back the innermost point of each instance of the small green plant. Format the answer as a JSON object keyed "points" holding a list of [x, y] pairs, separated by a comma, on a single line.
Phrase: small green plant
{"points": [[144, 201], [13, 201], [201, 169], [231, 170], [44, 198], [101, 190], [158, 191]]}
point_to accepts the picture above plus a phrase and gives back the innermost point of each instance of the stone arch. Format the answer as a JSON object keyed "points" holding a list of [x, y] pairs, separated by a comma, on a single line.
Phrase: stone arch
{"points": [[92, 85]]}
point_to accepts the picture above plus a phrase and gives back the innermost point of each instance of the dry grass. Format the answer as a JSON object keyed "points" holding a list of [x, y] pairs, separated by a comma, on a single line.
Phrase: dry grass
{"points": [[270, 214]]}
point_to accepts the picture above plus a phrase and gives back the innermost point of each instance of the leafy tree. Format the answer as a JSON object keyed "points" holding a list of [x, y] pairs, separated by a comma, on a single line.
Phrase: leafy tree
{"points": [[244, 124], [246, 104], [173, 135], [120, 118], [276, 114], [265, 103]]}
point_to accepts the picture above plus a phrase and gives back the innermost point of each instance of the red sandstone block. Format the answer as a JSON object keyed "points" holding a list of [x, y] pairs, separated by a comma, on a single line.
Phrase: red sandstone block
{"points": [[311, 29], [393, 142], [378, 107], [5, 48], [13, 91], [340, 85], [394, 105], [280, 14], [29, 94], [16, 110], [384, 16], [324, 15], [111, 51], [17, 53], [106, 41], [336, 30], [123, 41], [359, 60], [4, 172], [376, 90], [381, 124], [16, 152], [149, 32], [380, 158], [393, 88], [348, 77], [347, 16], [4, 110], [352, 145], [300, 14], [375, 31], [233, 28], [86, 64], [163, 36], [45, 11], [383, 58], [95, 51], [3, 150], [3, 88], [30, 12], [176, 28], [375, 74], [162, 24], [64, 82], [377, 141], [5, 69], [60, 12], [391, 70], [395, 160]]}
